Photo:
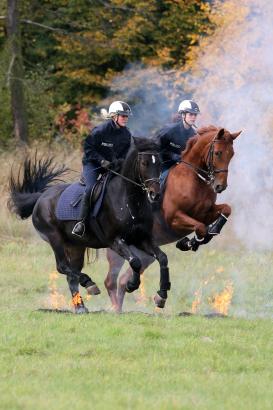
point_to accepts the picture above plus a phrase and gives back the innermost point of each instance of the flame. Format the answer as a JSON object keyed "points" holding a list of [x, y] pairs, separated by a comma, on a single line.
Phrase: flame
{"points": [[56, 299], [221, 301], [77, 299], [197, 301], [142, 298]]}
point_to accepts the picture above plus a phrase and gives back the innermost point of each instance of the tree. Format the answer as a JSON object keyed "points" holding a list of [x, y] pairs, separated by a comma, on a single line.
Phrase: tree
{"points": [[15, 74]]}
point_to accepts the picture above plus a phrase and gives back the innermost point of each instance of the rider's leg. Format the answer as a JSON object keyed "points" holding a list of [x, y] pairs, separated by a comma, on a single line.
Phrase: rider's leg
{"points": [[90, 174]]}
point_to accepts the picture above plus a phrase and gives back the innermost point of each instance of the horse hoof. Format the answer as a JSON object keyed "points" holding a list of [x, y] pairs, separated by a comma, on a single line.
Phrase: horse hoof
{"points": [[131, 288], [128, 289], [184, 244], [80, 310], [93, 290], [159, 301]]}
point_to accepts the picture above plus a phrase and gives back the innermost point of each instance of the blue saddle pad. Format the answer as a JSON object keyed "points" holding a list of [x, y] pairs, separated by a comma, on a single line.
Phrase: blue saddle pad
{"points": [[69, 204]]}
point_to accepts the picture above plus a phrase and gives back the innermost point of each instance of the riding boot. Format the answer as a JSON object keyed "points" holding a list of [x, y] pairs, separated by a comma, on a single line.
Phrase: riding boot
{"points": [[79, 228]]}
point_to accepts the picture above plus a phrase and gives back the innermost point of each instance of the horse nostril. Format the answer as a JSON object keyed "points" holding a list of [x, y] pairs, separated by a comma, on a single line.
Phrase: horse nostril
{"points": [[219, 188]]}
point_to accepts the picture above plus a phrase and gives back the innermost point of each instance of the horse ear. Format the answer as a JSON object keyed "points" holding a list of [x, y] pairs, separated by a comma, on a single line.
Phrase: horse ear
{"points": [[235, 135], [220, 134]]}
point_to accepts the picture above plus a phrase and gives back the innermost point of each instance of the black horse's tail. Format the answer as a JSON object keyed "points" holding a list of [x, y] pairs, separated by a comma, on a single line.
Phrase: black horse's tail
{"points": [[32, 179]]}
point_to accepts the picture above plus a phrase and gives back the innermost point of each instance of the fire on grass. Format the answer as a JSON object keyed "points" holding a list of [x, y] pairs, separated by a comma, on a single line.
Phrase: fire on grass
{"points": [[57, 300], [219, 302], [141, 298]]}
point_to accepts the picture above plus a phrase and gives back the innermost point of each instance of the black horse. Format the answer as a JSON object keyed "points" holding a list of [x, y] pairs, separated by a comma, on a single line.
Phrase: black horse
{"points": [[125, 218]]}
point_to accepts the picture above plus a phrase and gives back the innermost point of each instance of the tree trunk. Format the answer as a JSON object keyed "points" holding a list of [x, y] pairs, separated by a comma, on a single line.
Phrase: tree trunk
{"points": [[15, 74]]}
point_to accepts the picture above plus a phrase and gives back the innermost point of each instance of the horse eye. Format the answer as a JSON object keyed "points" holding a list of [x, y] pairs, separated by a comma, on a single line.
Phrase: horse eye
{"points": [[145, 163], [218, 153]]}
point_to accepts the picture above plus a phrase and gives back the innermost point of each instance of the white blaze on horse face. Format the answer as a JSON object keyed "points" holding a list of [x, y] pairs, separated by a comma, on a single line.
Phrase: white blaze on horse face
{"points": [[153, 159]]}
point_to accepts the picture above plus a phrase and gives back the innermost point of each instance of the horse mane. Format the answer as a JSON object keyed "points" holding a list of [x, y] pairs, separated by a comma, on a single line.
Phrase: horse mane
{"points": [[145, 144], [200, 132], [209, 128], [189, 145]]}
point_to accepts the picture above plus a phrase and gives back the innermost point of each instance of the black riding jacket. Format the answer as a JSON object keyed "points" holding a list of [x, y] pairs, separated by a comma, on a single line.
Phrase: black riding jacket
{"points": [[106, 141], [173, 139]]}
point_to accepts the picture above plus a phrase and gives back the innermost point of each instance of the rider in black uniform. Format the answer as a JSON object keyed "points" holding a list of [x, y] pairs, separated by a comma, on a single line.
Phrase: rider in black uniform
{"points": [[173, 138], [105, 147]]}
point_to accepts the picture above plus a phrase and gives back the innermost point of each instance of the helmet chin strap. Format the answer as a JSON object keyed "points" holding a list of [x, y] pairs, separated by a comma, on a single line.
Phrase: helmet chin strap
{"points": [[115, 119], [184, 120]]}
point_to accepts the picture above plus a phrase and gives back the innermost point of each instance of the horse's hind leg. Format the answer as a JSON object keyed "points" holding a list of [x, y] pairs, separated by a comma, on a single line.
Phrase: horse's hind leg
{"points": [[115, 264], [77, 301], [76, 261], [70, 265], [73, 278]]}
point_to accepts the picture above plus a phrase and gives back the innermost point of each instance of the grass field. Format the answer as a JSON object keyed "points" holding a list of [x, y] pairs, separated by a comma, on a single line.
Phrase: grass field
{"points": [[142, 359]]}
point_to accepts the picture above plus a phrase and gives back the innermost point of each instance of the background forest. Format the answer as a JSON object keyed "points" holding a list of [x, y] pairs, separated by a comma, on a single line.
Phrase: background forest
{"points": [[61, 61]]}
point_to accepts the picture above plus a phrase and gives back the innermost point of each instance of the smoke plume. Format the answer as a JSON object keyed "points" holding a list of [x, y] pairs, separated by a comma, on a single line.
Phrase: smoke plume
{"points": [[232, 81]]}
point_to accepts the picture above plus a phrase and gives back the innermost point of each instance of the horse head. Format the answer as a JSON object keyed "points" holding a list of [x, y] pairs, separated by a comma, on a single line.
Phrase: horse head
{"points": [[218, 156], [145, 162], [210, 152]]}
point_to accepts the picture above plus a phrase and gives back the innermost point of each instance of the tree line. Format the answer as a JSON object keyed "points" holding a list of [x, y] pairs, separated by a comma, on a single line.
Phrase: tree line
{"points": [[59, 58]]}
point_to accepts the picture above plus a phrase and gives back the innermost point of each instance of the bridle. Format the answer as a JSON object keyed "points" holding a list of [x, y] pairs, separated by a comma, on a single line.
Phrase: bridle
{"points": [[208, 176], [143, 183]]}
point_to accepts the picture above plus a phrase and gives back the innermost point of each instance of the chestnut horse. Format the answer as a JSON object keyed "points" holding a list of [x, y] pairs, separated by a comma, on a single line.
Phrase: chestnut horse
{"points": [[188, 203]]}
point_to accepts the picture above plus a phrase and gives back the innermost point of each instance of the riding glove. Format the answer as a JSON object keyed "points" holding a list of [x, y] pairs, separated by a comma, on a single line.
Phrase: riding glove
{"points": [[106, 164]]}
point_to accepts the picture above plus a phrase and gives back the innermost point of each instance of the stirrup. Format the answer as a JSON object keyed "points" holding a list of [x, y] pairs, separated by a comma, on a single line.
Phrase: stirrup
{"points": [[81, 226]]}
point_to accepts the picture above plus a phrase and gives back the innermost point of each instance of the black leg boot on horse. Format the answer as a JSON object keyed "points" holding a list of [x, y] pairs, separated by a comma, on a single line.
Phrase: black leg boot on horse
{"points": [[79, 228], [186, 244]]}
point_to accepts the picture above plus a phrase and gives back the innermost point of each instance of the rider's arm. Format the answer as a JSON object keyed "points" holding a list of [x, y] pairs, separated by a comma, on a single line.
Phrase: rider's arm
{"points": [[165, 139], [91, 145]]}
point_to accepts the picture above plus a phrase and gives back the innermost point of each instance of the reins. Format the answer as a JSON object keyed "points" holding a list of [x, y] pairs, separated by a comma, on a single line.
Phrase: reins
{"points": [[142, 185]]}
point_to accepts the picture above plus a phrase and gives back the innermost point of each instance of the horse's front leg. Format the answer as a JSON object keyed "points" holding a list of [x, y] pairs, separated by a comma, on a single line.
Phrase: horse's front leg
{"points": [[181, 222], [165, 284], [216, 218], [122, 249]]}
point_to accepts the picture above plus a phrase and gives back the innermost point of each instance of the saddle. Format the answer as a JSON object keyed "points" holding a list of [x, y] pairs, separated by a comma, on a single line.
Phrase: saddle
{"points": [[97, 188]]}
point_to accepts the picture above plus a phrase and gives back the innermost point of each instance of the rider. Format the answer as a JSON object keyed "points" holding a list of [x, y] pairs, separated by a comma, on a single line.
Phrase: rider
{"points": [[173, 138], [104, 148]]}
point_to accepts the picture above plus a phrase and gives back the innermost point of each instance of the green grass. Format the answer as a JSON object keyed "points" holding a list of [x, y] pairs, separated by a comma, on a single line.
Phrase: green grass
{"points": [[140, 359]]}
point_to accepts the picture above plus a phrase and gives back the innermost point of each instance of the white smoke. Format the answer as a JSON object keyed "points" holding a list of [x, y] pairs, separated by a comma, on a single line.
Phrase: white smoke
{"points": [[233, 83], [237, 91]]}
